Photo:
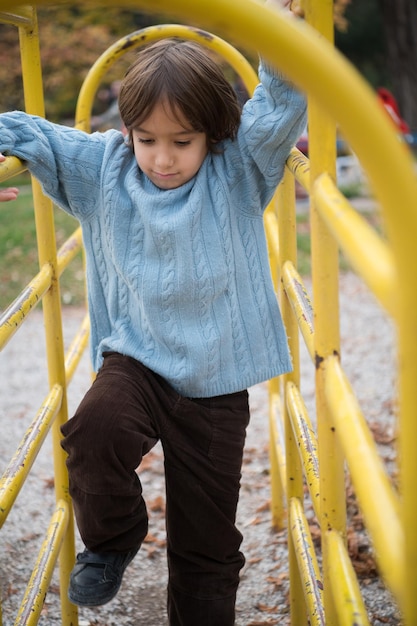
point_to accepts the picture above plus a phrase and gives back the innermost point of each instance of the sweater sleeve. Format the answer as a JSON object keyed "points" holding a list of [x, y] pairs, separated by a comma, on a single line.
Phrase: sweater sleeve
{"points": [[66, 161], [272, 120]]}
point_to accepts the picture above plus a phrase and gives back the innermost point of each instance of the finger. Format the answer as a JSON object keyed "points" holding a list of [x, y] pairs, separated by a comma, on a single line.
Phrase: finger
{"points": [[297, 8], [9, 193]]}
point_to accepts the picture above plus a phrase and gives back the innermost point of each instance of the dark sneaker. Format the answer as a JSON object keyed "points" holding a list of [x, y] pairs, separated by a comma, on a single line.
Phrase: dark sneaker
{"points": [[97, 576]]}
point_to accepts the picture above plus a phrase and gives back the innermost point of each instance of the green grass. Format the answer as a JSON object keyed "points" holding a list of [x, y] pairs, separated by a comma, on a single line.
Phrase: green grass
{"points": [[303, 245], [18, 248]]}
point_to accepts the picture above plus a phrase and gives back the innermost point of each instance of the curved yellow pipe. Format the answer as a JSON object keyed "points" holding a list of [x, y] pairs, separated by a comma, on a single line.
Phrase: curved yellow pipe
{"points": [[144, 36]]}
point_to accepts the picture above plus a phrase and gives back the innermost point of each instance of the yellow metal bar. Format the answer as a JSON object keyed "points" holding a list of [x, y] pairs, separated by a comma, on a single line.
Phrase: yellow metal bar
{"points": [[379, 502], [349, 604], [34, 598], [307, 443], [19, 467], [301, 304], [276, 418], [287, 251], [277, 459], [19, 309], [299, 166], [12, 166], [143, 37], [21, 16], [277, 454], [77, 348], [324, 259], [369, 255], [307, 563], [45, 232], [69, 250]]}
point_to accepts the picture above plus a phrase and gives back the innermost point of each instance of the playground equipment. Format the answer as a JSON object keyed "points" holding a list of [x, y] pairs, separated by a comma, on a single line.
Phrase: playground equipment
{"points": [[314, 455]]}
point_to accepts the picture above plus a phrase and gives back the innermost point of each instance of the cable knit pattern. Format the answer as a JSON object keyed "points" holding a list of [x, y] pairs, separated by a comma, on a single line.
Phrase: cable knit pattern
{"points": [[242, 356], [203, 277], [177, 279]]}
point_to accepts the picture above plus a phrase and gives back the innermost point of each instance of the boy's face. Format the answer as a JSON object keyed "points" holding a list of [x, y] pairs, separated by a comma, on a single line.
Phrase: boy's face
{"points": [[167, 150]]}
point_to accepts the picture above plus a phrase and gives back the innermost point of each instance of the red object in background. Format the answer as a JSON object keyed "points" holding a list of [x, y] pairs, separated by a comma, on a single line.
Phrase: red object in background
{"points": [[392, 109]]}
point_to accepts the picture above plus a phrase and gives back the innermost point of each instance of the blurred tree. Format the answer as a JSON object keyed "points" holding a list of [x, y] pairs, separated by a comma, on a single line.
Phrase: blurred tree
{"points": [[361, 40], [71, 39], [399, 18], [380, 39], [339, 10]]}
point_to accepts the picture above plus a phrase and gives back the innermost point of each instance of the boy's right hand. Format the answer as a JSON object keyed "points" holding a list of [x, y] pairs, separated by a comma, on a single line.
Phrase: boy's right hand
{"points": [[9, 193]]}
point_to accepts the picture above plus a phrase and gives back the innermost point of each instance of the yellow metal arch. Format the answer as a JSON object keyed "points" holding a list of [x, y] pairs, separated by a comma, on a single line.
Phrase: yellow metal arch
{"points": [[143, 37]]}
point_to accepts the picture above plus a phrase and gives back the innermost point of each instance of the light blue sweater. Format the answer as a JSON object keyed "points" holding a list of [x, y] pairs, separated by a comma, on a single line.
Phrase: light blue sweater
{"points": [[177, 279]]}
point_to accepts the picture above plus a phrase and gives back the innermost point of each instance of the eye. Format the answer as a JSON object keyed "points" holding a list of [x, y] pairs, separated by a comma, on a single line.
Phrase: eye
{"points": [[183, 143], [145, 141]]}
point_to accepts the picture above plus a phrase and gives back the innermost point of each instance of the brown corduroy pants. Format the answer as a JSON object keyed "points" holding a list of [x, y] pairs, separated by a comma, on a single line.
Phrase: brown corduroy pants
{"points": [[125, 413]]}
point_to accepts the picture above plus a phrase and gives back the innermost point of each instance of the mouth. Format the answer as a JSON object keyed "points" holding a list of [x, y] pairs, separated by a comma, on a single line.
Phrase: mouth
{"points": [[165, 175], [165, 181]]}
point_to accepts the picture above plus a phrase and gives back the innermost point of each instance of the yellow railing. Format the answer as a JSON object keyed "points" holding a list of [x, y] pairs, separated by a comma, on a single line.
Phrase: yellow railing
{"points": [[59, 539], [301, 453]]}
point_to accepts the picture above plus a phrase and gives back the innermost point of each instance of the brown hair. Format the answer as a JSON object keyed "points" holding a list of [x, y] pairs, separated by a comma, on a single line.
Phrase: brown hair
{"points": [[189, 80]]}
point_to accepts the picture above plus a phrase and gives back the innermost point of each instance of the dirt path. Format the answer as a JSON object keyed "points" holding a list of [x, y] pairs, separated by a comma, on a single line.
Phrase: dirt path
{"points": [[368, 357]]}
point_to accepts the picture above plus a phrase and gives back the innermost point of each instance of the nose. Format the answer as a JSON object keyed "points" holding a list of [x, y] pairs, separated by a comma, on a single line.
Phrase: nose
{"points": [[163, 157]]}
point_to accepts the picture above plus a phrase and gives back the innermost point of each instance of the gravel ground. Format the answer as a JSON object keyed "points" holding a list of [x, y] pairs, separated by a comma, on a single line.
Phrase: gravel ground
{"points": [[368, 358]]}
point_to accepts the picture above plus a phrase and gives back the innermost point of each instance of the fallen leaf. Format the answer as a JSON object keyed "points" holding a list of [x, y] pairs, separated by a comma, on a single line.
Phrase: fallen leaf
{"points": [[268, 622], [157, 505], [266, 506], [266, 609]]}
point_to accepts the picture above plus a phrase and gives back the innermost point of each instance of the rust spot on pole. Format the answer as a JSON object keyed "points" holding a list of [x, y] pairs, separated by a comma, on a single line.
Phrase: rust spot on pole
{"points": [[203, 33], [318, 360]]}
